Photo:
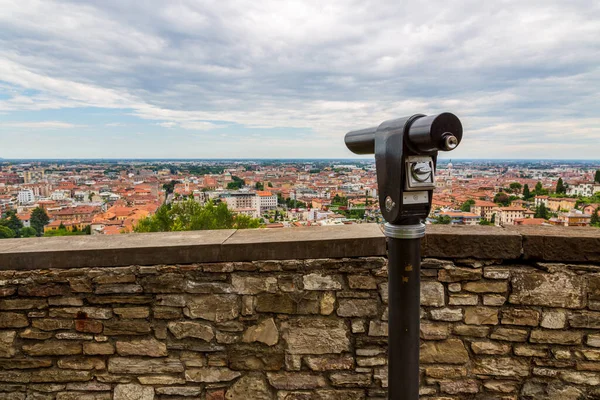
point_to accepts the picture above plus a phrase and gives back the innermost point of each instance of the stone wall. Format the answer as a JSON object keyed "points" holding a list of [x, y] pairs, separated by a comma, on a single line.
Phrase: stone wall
{"points": [[499, 319]]}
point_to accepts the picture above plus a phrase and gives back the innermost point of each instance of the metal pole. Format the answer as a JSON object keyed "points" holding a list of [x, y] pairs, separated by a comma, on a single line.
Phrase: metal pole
{"points": [[404, 276]]}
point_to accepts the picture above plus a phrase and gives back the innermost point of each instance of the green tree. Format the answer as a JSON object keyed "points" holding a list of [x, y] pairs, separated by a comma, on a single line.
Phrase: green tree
{"points": [[539, 190], [236, 184], [62, 227], [190, 216], [28, 232], [502, 199], [169, 187], [485, 222], [526, 193], [38, 220], [14, 223], [259, 186], [597, 176], [466, 206], [6, 232], [542, 212], [443, 220], [595, 221], [516, 186], [493, 220], [270, 184], [339, 201], [62, 232], [560, 187]]}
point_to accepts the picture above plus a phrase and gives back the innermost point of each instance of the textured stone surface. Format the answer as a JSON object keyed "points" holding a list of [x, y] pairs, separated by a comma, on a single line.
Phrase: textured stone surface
{"points": [[547, 289], [451, 351], [265, 332], [143, 347], [133, 392], [252, 386], [185, 329], [315, 336], [217, 308], [300, 329]]}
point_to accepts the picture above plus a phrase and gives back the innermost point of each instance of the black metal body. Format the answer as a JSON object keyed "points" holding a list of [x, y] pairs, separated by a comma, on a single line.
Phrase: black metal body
{"points": [[404, 148], [404, 269]]}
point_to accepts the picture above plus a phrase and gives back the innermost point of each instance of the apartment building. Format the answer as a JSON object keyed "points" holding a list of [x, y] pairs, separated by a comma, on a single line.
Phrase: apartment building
{"points": [[508, 215], [483, 209]]}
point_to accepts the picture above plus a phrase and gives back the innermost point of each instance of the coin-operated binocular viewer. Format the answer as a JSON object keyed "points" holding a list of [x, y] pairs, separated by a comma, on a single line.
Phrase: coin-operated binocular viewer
{"points": [[405, 157]]}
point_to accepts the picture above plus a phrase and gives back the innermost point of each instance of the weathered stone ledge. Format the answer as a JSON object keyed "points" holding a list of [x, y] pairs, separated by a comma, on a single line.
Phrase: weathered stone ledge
{"points": [[529, 243]]}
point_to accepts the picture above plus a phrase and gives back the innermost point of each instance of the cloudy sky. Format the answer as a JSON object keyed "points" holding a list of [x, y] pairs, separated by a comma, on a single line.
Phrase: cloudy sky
{"points": [[282, 79]]}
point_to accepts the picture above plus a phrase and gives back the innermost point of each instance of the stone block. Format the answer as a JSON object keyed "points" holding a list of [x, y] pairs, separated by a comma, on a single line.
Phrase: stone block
{"points": [[457, 274], [329, 362], [265, 332], [139, 366], [486, 287], [516, 316], [481, 316], [447, 314], [305, 335], [490, 348], [211, 375], [548, 289], [133, 391], [296, 380], [451, 351], [243, 284], [556, 337], [503, 366], [510, 334], [132, 312], [362, 282], [251, 386], [318, 281], [126, 327], [463, 300], [13, 320], [357, 307], [348, 379], [7, 339], [215, 307], [432, 294], [190, 329], [144, 347], [52, 348]]}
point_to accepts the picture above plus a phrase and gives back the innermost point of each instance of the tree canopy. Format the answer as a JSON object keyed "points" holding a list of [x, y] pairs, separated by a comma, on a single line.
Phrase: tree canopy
{"points": [[597, 176], [192, 216], [542, 212], [516, 186], [526, 193], [502, 199], [560, 187], [38, 220], [236, 184], [466, 206]]}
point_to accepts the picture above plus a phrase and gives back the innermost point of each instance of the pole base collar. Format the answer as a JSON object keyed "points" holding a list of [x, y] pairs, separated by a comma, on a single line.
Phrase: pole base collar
{"points": [[404, 231]]}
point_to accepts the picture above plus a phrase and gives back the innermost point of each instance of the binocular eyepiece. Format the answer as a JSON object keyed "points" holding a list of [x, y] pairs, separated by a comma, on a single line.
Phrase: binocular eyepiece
{"points": [[423, 134], [405, 157]]}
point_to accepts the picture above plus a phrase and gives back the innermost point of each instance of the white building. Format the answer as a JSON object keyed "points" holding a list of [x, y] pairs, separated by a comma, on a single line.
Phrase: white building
{"points": [[507, 215], [25, 196], [266, 201], [583, 189]]}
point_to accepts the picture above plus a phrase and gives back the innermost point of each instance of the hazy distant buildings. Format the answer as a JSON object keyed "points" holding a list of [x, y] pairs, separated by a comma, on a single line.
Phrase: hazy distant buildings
{"points": [[25, 196]]}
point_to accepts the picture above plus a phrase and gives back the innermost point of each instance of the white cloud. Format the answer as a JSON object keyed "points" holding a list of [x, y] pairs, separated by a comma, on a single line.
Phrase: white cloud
{"points": [[519, 69], [40, 125]]}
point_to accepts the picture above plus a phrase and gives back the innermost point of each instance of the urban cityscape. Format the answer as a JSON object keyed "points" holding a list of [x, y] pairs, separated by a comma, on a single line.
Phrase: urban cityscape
{"points": [[112, 197]]}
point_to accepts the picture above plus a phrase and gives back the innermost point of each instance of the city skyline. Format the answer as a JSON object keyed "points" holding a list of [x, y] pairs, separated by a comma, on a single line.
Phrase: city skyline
{"points": [[287, 80]]}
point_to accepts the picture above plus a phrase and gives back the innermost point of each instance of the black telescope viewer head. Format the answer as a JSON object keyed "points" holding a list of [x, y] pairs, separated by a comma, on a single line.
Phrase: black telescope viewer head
{"points": [[405, 156]]}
